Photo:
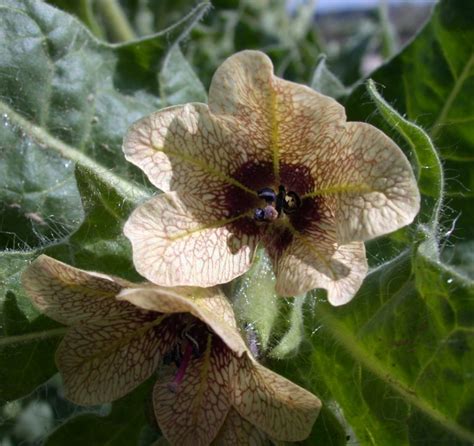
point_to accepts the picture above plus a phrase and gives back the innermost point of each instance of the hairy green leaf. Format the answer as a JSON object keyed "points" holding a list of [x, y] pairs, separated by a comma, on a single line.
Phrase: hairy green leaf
{"points": [[122, 427], [179, 83], [27, 348], [66, 99], [12, 263], [325, 82], [430, 172], [397, 361], [99, 244], [27, 339]]}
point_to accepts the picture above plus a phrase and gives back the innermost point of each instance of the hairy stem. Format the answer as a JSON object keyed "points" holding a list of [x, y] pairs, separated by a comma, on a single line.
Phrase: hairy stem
{"points": [[115, 20]]}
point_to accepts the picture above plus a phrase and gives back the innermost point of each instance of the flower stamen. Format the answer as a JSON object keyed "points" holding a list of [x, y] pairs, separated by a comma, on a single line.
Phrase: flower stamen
{"points": [[267, 194], [183, 365], [292, 202], [277, 204], [268, 213]]}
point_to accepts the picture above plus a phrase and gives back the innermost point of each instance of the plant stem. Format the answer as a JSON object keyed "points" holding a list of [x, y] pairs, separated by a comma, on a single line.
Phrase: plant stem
{"points": [[388, 34], [88, 18], [115, 20]]}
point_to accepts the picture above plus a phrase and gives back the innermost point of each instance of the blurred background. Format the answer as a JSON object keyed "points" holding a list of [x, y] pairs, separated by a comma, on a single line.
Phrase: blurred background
{"points": [[354, 37]]}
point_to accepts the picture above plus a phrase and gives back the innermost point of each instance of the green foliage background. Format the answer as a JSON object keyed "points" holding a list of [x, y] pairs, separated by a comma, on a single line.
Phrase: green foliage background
{"points": [[393, 367]]}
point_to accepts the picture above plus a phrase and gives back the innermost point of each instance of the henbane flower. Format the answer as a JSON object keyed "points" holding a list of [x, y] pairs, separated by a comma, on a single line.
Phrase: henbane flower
{"points": [[266, 162], [210, 389]]}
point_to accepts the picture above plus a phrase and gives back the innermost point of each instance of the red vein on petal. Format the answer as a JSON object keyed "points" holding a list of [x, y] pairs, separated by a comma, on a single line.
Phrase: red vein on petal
{"points": [[313, 249], [126, 339], [206, 168], [74, 286]]}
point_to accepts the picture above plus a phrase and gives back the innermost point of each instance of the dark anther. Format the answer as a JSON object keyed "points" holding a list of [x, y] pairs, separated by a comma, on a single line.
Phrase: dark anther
{"points": [[267, 194], [259, 214], [173, 356], [195, 345], [280, 199], [287, 202], [292, 202], [268, 213]]}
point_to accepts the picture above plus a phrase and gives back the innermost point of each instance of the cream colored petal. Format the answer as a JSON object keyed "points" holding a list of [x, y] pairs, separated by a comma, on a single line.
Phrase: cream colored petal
{"points": [[278, 407], [237, 431], [372, 179], [209, 305], [70, 295], [100, 363], [316, 261], [194, 413], [192, 300], [304, 136], [276, 118], [177, 244], [185, 149]]}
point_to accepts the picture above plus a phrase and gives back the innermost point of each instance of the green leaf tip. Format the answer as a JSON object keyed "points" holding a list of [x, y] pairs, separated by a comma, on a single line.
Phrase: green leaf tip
{"points": [[428, 164]]}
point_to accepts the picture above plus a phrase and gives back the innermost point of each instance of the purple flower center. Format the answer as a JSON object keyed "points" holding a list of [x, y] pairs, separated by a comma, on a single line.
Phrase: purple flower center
{"points": [[272, 201], [277, 204]]}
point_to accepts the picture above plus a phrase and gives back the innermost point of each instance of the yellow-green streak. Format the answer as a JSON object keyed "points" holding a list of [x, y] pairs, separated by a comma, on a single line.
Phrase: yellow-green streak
{"points": [[203, 378], [274, 137], [339, 189]]}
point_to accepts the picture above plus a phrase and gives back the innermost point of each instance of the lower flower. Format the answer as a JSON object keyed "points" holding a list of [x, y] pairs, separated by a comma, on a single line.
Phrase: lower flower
{"points": [[211, 389]]}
